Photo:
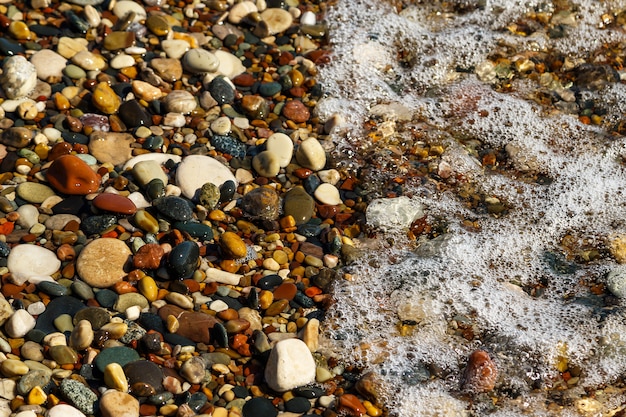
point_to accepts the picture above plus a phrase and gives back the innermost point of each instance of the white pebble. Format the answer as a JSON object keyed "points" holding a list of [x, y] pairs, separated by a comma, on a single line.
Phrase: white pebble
{"points": [[330, 176], [328, 194], [20, 323], [307, 18], [280, 145], [36, 308], [218, 305]]}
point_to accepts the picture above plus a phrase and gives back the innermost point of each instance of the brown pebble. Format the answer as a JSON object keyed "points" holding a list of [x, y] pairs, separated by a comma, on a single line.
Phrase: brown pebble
{"points": [[148, 256], [295, 110], [114, 203], [480, 374], [286, 291], [69, 174]]}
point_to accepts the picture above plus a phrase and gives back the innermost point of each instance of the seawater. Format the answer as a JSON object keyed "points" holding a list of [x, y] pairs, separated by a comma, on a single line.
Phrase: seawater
{"points": [[540, 310]]}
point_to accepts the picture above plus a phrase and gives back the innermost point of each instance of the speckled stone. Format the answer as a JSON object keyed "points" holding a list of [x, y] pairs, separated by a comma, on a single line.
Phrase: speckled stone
{"points": [[261, 203], [209, 195], [174, 207], [221, 90], [19, 77], [93, 271], [79, 395], [230, 145]]}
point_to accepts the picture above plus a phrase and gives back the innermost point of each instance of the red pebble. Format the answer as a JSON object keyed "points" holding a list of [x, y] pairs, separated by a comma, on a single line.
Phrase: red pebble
{"points": [[480, 374], [69, 174], [296, 110], [148, 256], [351, 404], [114, 203]]}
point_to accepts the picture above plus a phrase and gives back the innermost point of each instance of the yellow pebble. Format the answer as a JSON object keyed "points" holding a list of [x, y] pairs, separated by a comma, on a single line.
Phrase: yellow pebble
{"points": [[148, 288], [36, 396], [115, 330], [115, 378], [168, 410], [53, 400], [372, 410], [266, 298], [172, 324], [220, 412], [232, 245]]}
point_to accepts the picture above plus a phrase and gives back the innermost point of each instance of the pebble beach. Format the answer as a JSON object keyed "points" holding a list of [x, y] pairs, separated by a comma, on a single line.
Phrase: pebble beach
{"points": [[171, 223]]}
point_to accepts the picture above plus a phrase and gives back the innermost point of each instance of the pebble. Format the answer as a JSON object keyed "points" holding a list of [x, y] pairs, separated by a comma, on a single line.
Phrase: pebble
{"points": [[261, 203], [79, 395], [616, 281], [111, 147], [180, 101], [146, 91], [328, 194], [259, 407], [19, 324], [281, 146], [118, 404], [114, 203], [198, 60], [289, 365], [232, 245], [123, 7], [310, 154], [393, 212], [18, 78], [230, 65], [481, 373], [33, 192], [296, 111], [96, 273], [88, 60], [64, 410], [68, 174], [266, 164], [170, 69], [146, 171], [221, 91], [49, 65], [197, 170], [183, 260], [105, 99], [277, 20], [299, 204], [26, 261]]}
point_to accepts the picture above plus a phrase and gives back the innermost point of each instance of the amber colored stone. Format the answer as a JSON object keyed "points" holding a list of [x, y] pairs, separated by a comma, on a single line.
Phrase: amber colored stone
{"points": [[192, 325], [303, 173], [327, 211], [228, 314], [148, 256], [114, 203], [285, 291], [296, 110], [69, 174], [60, 149], [277, 307], [244, 80], [352, 405], [147, 409], [481, 373]]}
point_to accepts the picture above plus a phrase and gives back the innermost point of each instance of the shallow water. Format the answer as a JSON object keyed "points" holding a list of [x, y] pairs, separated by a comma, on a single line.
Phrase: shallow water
{"points": [[517, 257]]}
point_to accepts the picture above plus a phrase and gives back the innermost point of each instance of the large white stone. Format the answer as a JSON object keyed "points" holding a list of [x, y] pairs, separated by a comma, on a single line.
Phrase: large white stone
{"points": [[197, 170], [28, 260], [397, 212], [20, 323], [230, 65], [161, 158], [311, 154], [290, 365], [19, 77], [49, 65]]}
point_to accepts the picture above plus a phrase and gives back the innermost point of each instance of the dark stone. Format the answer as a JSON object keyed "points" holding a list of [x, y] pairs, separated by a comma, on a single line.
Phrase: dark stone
{"points": [[151, 342], [183, 260], [97, 316], [220, 335], [230, 302], [57, 306], [153, 143], [134, 115], [269, 89], [196, 230], [308, 391], [10, 48], [119, 354], [155, 189], [195, 326], [221, 91], [240, 392], [196, 401], [151, 321], [175, 339], [325, 278], [70, 205], [298, 405], [227, 191], [229, 145], [174, 207], [52, 288], [144, 372], [4, 249], [259, 407], [269, 282], [106, 298], [261, 203], [97, 224], [311, 183], [74, 138]]}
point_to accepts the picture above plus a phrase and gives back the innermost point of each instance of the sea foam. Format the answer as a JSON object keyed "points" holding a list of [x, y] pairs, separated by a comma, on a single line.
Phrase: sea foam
{"points": [[509, 283]]}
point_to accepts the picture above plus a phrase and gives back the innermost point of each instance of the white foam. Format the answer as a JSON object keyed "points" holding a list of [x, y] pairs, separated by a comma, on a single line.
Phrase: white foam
{"points": [[484, 277]]}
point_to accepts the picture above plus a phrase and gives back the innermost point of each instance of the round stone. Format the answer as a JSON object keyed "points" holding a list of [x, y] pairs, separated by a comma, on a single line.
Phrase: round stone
{"points": [[261, 203], [111, 147], [114, 203], [176, 208], [49, 65], [296, 111], [183, 260], [232, 245], [266, 164], [170, 69], [259, 407], [118, 404], [209, 195], [200, 60], [96, 273], [278, 20], [328, 194]]}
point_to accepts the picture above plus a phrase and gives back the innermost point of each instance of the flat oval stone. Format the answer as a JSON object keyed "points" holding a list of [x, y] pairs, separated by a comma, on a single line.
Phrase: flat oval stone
{"points": [[183, 260], [116, 354], [49, 65], [105, 98], [145, 372], [111, 147], [114, 203], [174, 207], [170, 69], [131, 299], [230, 145], [82, 335], [180, 101], [134, 114], [280, 145], [278, 20], [200, 60], [158, 25], [196, 230], [96, 316], [96, 224], [196, 170], [232, 245], [119, 40], [64, 410], [123, 7], [146, 91], [221, 91], [25, 261], [63, 355], [96, 273], [17, 137], [68, 174], [34, 192], [259, 407], [79, 394], [194, 326]]}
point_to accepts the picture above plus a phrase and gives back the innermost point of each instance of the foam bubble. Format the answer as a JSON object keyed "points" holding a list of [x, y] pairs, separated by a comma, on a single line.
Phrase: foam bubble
{"points": [[525, 284]]}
